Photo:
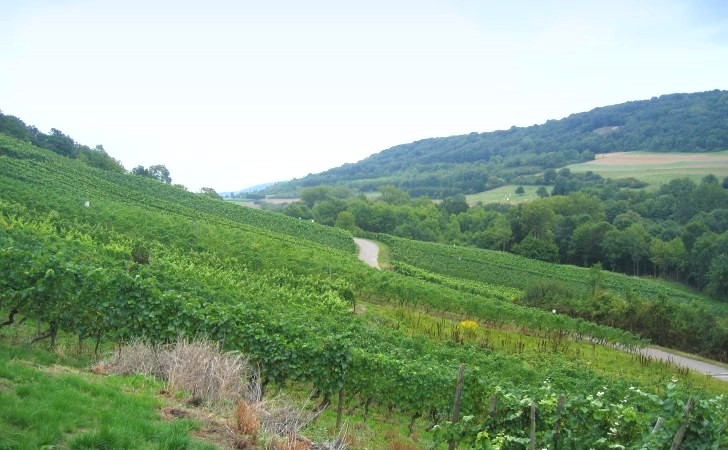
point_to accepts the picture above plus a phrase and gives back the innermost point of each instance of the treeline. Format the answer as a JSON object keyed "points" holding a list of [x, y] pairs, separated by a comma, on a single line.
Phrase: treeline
{"points": [[679, 232], [442, 167], [65, 145], [60, 143]]}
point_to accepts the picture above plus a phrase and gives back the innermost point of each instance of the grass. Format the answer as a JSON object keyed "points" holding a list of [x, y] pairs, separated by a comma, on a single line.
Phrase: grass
{"points": [[505, 194], [385, 256], [47, 401], [657, 168]]}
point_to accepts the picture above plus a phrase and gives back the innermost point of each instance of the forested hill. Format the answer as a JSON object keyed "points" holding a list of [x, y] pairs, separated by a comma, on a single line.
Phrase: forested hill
{"points": [[441, 167]]}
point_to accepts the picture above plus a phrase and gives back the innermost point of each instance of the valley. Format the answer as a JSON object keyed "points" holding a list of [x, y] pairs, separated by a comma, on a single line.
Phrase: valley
{"points": [[94, 260]]}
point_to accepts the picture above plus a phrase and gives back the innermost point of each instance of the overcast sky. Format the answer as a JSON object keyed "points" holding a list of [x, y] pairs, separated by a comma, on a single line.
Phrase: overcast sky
{"points": [[229, 94]]}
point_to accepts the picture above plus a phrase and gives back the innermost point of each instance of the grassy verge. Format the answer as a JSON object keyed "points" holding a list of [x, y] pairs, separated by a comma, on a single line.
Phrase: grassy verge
{"points": [[47, 401], [385, 256]]}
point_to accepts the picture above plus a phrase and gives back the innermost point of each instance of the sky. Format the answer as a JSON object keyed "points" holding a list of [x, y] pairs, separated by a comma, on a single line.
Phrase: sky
{"points": [[230, 94]]}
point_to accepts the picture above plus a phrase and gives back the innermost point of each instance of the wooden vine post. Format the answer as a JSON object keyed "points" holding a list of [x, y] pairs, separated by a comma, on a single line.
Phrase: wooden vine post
{"points": [[533, 425], [456, 406], [683, 427], [493, 405], [559, 412], [339, 409]]}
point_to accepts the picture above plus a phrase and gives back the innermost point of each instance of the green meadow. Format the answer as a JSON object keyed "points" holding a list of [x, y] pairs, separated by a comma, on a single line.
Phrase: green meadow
{"points": [[656, 168]]}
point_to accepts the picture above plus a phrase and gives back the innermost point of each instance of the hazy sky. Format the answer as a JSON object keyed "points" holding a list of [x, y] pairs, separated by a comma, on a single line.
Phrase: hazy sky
{"points": [[229, 94]]}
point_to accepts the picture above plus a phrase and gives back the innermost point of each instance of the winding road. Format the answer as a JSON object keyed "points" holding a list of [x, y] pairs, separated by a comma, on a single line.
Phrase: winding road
{"points": [[369, 254]]}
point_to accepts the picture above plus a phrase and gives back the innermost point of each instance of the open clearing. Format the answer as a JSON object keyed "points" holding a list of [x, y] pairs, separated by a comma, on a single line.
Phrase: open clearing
{"points": [[505, 194], [656, 168], [257, 203]]}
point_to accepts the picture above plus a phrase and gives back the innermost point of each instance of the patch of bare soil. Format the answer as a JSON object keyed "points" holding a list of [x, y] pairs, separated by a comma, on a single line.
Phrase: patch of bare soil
{"points": [[215, 429]]}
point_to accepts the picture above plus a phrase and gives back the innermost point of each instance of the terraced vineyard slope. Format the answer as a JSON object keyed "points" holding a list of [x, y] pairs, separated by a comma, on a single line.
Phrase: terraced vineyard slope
{"points": [[109, 257]]}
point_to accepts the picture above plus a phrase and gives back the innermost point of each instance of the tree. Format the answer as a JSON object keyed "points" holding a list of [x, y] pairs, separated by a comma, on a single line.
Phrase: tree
{"points": [[298, 210], [326, 211], [497, 236], [13, 126], [637, 243], [393, 195], [313, 195], [140, 171], [615, 247], [624, 221], [658, 251], [210, 192], [532, 247], [455, 205], [542, 192], [709, 195], [549, 176], [586, 241], [538, 219], [718, 277], [346, 220], [520, 190], [97, 157], [160, 172], [700, 257], [668, 257], [61, 144]]}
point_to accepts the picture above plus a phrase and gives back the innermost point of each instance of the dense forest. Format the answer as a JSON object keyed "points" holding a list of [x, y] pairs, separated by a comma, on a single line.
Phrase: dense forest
{"points": [[679, 232], [446, 166]]}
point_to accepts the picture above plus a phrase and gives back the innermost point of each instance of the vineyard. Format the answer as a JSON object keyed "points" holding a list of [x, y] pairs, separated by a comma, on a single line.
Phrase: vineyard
{"points": [[665, 314], [149, 261], [494, 267]]}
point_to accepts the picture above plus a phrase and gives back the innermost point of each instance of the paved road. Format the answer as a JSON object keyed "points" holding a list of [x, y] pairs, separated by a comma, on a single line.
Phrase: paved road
{"points": [[717, 372], [368, 252]]}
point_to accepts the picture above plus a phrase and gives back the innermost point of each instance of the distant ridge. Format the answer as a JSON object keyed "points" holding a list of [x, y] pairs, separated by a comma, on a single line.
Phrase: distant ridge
{"points": [[256, 188], [445, 166]]}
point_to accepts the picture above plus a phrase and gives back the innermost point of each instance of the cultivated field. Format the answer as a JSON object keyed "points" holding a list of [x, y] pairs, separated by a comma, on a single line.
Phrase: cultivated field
{"points": [[657, 168]]}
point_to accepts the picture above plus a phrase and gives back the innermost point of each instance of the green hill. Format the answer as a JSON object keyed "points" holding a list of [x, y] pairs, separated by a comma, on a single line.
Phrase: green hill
{"points": [[467, 164], [104, 257]]}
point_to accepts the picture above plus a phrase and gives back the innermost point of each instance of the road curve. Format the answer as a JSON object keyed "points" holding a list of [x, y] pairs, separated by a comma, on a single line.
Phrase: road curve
{"points": [[368, 252], [717, 372]]}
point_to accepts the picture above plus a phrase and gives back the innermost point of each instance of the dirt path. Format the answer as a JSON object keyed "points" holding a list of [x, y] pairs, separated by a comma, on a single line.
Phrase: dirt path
{"points": [[717, 372], [368, 252]]}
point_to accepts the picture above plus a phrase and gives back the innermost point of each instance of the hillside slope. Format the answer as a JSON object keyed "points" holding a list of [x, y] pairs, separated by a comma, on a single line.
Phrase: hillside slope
{"points": [[105, 257], [444, 166]]}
